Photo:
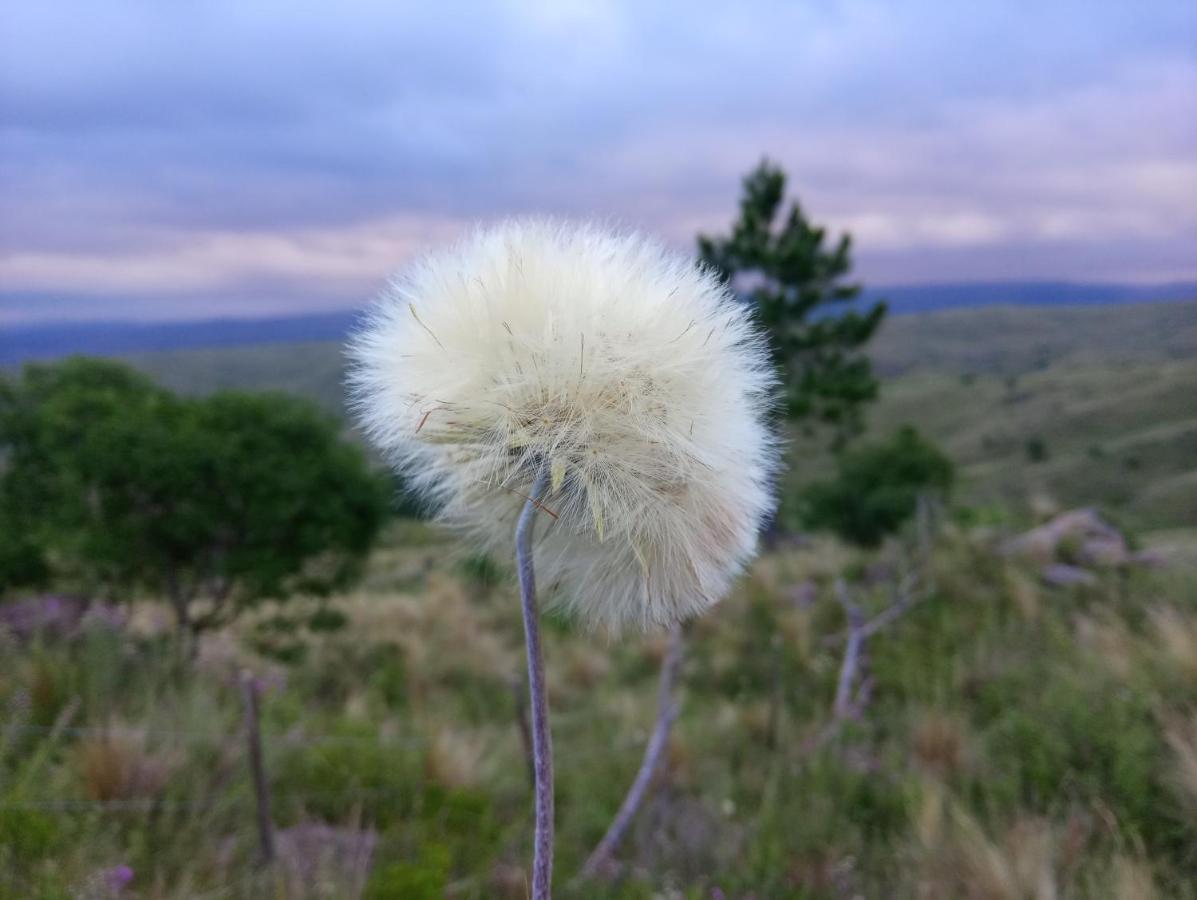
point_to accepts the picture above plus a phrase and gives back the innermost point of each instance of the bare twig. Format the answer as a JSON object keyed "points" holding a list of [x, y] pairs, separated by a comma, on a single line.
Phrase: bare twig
{"points": [[249, 691], [667, 710], [856, 638], [906, 598], [854, 687], [542, 741]]}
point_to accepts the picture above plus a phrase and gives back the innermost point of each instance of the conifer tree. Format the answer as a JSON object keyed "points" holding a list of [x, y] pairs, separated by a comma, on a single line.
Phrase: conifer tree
{"points": [[796, 282]]}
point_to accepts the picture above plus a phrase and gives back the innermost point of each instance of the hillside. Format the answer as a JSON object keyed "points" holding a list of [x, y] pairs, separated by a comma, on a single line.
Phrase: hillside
{"points": [[1016, 339], [1104, 393], [997, 339], [314, 370], [1123, 437], [47, 340], [993, 737]]}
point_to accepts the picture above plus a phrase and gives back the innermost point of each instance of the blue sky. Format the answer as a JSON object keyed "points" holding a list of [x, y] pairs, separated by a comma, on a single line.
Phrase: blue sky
{"points": [[173, 160]]}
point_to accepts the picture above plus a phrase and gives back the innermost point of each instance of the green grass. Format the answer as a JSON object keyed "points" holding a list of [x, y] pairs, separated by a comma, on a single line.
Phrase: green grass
{"points": [[1018, 741], [314, 370], [1122, 438], [1015, 738], [1011, 340], [1107, 392]]}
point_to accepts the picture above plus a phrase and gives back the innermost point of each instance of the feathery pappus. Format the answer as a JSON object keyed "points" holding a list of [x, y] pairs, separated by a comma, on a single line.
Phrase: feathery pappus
{"points": [[630, 374]]}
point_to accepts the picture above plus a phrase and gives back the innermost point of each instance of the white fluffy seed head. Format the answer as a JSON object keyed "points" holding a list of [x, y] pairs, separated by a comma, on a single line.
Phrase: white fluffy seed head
{"points": [[628, 372]]}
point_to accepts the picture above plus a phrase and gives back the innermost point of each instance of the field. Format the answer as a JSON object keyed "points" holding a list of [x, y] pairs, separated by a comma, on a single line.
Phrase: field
{"points": [[1074, 405], [1008, 741], [999, 738]]}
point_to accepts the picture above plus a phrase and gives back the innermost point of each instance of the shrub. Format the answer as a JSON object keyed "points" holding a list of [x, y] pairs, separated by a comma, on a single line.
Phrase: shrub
{"points": [[1036, 449], [423, 878], [27, 835], [350, 771], [876, 488], [215, 503]]}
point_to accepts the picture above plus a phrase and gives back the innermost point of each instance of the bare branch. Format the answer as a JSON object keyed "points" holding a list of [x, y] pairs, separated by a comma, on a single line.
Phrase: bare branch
{"points": [[854, 688], [856, 638], [600, 858], [906, 598]]}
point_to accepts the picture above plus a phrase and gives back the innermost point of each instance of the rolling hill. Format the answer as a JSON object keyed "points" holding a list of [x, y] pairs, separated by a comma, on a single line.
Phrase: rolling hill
{"points": [[46, 340], [1092, 404]]}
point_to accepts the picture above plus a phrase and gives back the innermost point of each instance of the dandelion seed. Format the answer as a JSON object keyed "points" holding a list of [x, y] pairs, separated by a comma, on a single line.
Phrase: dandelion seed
{"points": [[635, 486], [412, 307]]}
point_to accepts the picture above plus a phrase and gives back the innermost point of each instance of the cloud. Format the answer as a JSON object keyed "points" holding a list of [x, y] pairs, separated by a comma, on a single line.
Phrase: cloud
{"points": [[157, 148]]}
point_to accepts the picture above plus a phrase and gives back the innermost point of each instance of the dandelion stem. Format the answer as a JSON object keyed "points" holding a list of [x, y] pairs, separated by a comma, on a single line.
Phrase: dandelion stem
{"points": [[542, 740]]}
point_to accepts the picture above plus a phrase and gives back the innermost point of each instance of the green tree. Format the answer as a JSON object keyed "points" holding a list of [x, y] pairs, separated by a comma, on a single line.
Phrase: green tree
{"points": [[50, 419], [213, 503], [796, 283], [876, 488], [22, 563]]}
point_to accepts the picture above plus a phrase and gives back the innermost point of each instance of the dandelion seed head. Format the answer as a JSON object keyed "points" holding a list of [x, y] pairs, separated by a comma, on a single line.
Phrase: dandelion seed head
{"points": [[626, 371]]}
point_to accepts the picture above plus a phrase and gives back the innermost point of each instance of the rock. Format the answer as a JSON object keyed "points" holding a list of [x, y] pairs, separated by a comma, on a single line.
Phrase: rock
{"points": [[1080, 536], [1062, 575], [1148, 559], [1103, 552], [1080, 526]]}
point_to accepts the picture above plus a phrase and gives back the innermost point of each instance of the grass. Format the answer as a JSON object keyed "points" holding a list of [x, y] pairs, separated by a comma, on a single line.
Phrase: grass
{"points": [[1122, 438], [1072, 405], [1015, 340], [1019, 742]]}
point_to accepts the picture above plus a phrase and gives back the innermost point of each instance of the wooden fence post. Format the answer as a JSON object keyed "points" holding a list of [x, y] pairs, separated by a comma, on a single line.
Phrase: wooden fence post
{"points": [[253, 732]]}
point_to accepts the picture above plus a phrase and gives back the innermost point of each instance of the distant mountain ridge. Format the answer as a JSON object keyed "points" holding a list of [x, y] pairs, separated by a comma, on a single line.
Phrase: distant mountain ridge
{"points": [[927, 297], [19, 343], [26, 342]]}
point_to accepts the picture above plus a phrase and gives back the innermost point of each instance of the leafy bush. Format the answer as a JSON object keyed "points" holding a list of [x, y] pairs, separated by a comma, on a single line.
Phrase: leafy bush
{"points": [[1075, 740], [331, 781], [876, 488], [327, 619], [215, 503], [423, 878], [1036, 448], [27, 834]]}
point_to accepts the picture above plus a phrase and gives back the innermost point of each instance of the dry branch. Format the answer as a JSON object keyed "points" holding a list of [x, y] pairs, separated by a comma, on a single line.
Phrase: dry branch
{"points": [[856, 638], [600, 858], [253, 734]]}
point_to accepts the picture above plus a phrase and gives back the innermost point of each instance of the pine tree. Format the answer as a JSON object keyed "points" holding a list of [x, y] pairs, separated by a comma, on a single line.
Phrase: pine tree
{"points": [[796, 283]]}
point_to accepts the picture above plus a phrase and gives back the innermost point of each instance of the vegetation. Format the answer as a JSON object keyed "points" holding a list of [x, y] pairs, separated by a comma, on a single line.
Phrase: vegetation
{"points": [[1002, 738], [877, 487], [1120, 437], [212, 503], [796, 285], [1015, 740]]}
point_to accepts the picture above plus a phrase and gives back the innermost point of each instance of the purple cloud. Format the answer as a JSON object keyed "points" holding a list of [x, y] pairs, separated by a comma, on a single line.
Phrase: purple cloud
{"points": [[162, 160]]}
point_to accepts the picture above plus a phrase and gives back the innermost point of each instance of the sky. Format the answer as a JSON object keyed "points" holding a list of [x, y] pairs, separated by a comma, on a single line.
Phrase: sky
{"points": [[189, 160]]}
